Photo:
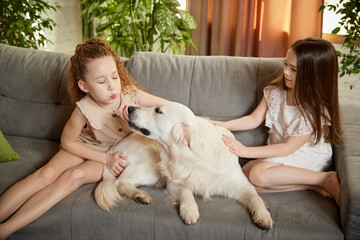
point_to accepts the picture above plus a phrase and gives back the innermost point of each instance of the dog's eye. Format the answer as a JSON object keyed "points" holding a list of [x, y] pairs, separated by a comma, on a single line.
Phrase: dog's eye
{"points": [[157, 110]]}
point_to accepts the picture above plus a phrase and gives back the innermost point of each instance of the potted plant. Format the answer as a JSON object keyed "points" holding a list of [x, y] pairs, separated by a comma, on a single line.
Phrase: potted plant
{"points": [[350, 20], [22, 22], [139, 25]]}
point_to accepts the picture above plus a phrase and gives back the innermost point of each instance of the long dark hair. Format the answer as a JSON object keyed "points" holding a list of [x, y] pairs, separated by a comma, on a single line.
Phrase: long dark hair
{"points": [[316, 86]]}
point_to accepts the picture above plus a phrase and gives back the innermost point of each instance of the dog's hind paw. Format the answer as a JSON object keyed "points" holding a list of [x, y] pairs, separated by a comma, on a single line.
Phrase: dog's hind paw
{"points": [[263, 220], [142, 197]]}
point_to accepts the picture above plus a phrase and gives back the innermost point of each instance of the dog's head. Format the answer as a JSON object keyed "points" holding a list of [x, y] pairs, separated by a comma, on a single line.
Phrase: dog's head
{"points": [[169, 123]]}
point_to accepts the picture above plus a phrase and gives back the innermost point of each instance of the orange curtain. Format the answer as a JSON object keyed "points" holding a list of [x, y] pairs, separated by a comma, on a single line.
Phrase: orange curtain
{"points": [[258, 28]]}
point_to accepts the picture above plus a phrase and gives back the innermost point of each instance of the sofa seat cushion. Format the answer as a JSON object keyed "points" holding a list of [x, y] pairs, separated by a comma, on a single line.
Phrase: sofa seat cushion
{"points": [[34, 154], [296, 215]]}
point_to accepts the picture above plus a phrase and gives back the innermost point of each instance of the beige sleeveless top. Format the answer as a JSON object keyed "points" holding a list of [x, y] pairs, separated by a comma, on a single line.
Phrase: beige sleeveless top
{"points": [[104, 129]]}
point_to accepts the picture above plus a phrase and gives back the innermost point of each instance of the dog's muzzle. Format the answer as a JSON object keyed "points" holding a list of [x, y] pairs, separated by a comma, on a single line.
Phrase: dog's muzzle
{"points": [[132, 125]]}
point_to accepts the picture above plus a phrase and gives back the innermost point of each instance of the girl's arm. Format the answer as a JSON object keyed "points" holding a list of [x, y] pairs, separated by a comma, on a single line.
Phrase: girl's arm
{"points": [[274, 150], [70, 144], [246, 122], [147, 100]]}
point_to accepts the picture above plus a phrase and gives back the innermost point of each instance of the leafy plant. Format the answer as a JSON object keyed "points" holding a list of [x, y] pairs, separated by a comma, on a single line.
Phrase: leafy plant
{"points": [[139, 25], [22, 22], [350, 9]]}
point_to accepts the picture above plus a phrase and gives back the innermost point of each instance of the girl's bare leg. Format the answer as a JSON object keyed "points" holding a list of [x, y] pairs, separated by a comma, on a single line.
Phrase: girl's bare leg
{"points": [[15, 196], [42, 201], [294, 188], [275, 177], [291, 188]]}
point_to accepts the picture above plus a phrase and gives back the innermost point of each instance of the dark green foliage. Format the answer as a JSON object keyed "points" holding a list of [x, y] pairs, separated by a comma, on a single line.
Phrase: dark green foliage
{"points": [[21, 22], [350, 20], [139, 25]]}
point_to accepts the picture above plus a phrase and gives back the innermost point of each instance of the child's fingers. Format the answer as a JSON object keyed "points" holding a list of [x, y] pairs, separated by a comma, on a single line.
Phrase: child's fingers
{"points": [[114, 172], [117, 169], [122, 163], [231, 150], [121, 155], [227, 140], [228, 144], [213, 122], [121, 159]]}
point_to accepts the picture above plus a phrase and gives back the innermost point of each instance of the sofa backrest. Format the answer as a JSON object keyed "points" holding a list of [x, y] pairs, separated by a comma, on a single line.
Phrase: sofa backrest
{"points": [[33, 98], [216, 87], [34, 101]]}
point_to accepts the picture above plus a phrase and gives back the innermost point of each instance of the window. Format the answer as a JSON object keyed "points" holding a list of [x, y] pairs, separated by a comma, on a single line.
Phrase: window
{"points": [[331, 21], [182, 4]]}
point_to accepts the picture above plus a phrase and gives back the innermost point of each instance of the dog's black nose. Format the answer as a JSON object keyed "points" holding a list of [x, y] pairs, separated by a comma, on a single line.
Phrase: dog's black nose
{"points": [[145, 131], [130, 110]]}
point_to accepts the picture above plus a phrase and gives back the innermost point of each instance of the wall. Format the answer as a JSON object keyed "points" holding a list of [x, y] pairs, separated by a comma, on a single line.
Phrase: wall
{"points": [[68, 32]]}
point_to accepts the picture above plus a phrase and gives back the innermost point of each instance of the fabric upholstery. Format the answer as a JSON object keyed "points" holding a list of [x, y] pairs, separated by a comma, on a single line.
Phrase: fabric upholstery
{"points": [[34, 100]]}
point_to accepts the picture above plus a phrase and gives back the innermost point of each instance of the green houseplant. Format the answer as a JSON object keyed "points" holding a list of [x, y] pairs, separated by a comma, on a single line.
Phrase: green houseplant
{"points": [[22, 22], [139, 25], [350, 20]]}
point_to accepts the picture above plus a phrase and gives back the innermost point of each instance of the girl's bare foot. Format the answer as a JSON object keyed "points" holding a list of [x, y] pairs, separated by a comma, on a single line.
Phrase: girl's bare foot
{"points": [[331, 184], [320, 191]]}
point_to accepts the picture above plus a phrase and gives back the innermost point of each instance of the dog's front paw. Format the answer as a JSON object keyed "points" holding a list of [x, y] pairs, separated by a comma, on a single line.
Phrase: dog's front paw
{"points": [[189, 213], [142, 197], [263, 219]]}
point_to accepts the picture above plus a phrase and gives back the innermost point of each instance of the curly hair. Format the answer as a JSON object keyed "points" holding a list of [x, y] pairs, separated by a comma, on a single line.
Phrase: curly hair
{"points": [[95, 48], [316, 87]]}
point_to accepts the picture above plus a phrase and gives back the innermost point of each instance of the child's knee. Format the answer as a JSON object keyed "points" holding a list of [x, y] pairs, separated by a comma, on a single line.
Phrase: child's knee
{"points": [[75, 177], [77, 174], [47, 175], [82, 174], [257, 176]]}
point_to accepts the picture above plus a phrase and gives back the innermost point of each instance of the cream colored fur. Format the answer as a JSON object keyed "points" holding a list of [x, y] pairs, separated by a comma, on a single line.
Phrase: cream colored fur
{"points": [[195, 160], [142, 158]]}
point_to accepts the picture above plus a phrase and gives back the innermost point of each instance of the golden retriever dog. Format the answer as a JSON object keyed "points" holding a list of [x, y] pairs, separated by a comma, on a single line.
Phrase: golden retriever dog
{"points": [[194, 160], [142, 158]]}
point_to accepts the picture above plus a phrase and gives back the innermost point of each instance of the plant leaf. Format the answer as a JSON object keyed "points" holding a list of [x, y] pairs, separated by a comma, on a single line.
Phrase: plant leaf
{"points": [[188, 19], [322, 7], [335, 30], [165, 20]]}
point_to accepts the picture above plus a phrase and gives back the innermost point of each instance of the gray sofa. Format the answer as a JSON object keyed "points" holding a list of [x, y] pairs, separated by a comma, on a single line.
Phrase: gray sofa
{"points": [[34, 107]]}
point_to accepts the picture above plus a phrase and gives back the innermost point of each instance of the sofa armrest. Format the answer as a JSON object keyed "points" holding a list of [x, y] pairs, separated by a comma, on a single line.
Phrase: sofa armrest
{"points": [[347, 164]]}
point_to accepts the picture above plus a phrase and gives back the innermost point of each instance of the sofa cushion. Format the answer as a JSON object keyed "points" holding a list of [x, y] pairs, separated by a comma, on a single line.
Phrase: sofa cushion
{"points": [[33, 100], [34, 154]]}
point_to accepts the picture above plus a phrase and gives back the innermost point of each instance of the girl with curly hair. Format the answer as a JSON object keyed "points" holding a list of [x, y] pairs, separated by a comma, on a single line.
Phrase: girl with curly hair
{"points": [[102, 88]]}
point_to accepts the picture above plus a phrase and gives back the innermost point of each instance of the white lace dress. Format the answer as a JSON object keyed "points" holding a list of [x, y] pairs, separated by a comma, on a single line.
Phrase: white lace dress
{"points": [[285, 121]]}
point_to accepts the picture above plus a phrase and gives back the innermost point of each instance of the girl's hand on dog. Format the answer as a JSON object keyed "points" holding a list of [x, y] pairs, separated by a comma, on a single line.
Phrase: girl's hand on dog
{"points": [[235, 146], [217, 123], [116, 164]]}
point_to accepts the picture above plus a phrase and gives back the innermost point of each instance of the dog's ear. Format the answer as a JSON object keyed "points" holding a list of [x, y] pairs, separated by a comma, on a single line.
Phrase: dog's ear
{"points": [[178, 133], [188, 135]]}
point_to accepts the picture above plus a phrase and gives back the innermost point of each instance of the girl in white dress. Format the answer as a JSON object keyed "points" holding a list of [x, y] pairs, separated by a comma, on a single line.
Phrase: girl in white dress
{"points": [[301, 109]]}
